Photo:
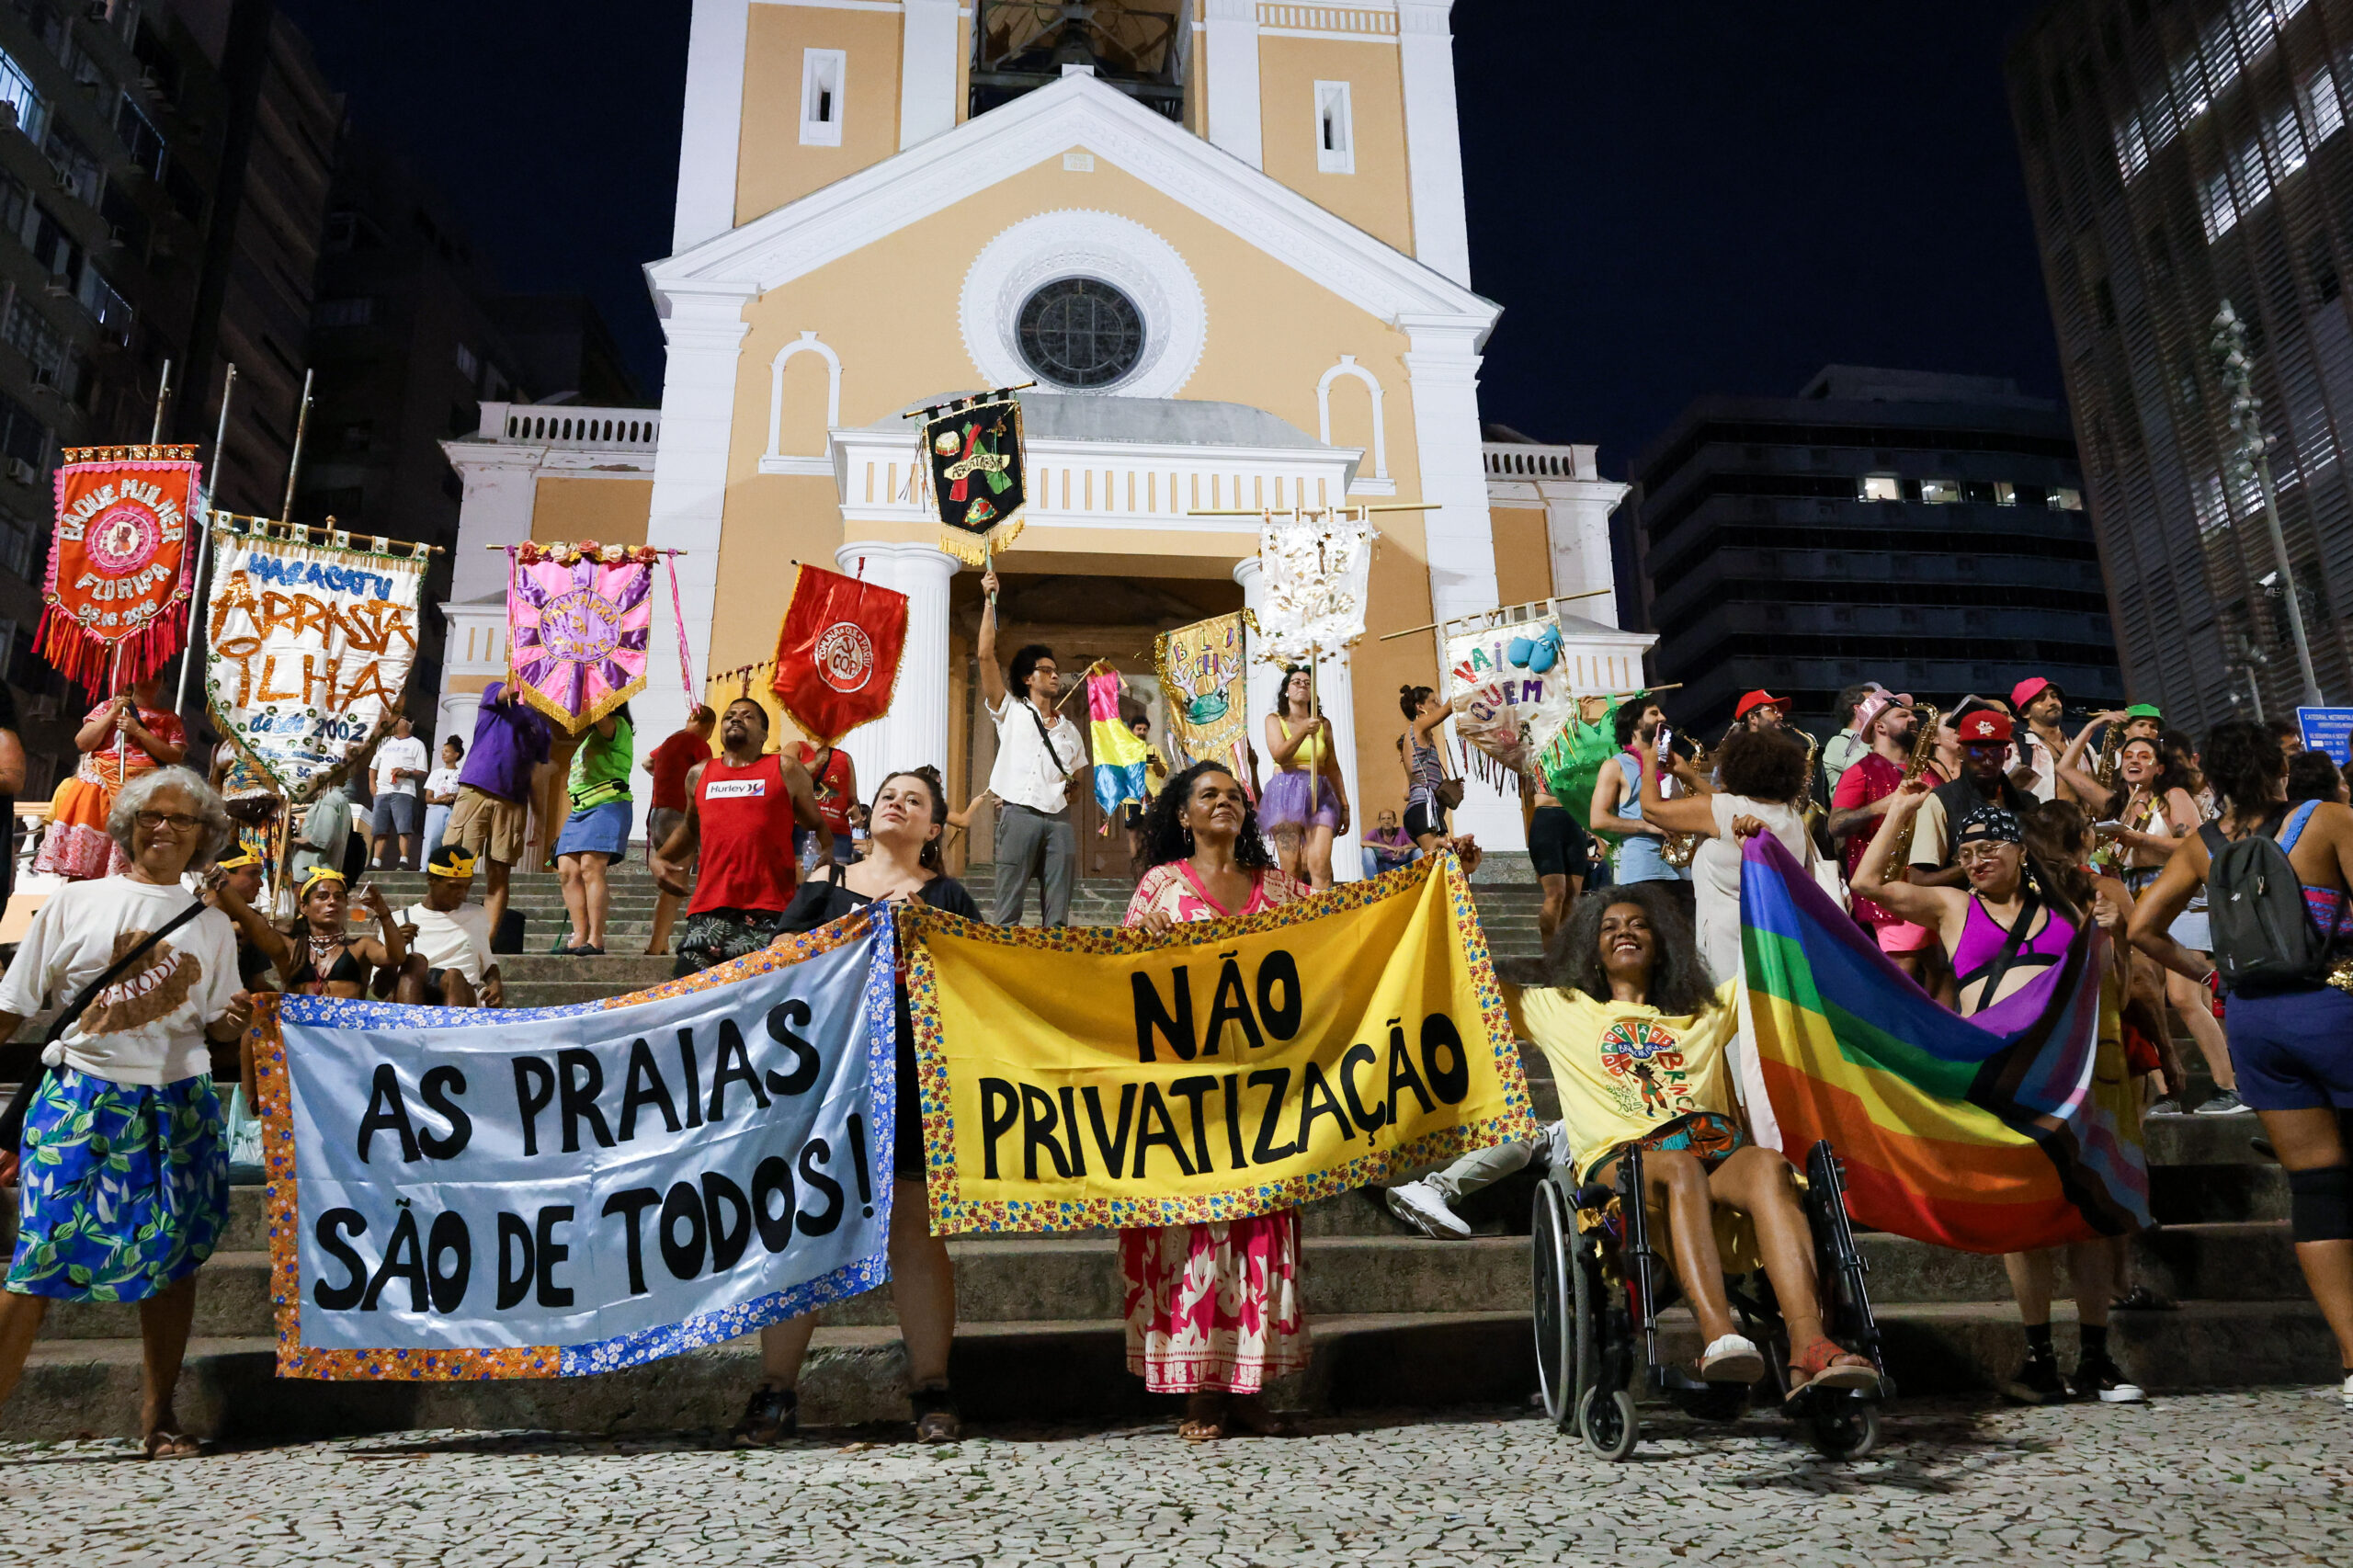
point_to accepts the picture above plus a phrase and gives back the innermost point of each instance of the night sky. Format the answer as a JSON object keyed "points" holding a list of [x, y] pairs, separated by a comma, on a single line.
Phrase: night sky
{"points": [[1667, 200]]}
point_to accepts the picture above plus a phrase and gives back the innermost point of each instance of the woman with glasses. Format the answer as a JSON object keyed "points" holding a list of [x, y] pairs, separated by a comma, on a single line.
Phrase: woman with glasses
{"points": [[124, 1183]]}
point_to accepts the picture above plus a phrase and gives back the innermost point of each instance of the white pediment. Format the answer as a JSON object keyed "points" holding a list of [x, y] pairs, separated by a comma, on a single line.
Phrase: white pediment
{"points": [[1076, 112]]}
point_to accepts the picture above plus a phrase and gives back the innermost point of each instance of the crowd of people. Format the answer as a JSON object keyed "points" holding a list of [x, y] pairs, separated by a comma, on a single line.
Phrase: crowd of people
{"points": [[1972, 843]]}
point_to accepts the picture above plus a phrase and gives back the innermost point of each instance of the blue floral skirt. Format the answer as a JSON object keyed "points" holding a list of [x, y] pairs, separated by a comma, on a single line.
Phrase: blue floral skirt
{"points": [[123, 1190]]}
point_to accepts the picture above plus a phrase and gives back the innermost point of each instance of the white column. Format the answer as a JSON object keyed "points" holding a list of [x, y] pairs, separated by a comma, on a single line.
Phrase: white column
{"points": [[927, 71], [1442, 372], [1266, 679], [1336, 686], [1433, 137], [705, 328], [714, 124], [1576, 527], [915, 733], [1231, 66]]}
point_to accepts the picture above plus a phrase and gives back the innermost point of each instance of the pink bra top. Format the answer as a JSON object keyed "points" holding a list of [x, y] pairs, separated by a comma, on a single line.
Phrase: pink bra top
{"points": [[1981, 942]]}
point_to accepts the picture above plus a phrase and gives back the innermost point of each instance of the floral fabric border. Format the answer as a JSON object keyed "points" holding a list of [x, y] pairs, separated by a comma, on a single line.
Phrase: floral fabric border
{"points": [[951, 1213], [265, 1039]]}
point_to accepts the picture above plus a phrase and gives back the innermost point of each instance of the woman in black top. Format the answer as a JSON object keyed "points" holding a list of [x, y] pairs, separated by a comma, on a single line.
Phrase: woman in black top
{"points": [[910, 812]]}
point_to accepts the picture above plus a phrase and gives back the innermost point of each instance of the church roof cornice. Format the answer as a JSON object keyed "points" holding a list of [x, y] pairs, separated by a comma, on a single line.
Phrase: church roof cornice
{"points": [[839, 219]]}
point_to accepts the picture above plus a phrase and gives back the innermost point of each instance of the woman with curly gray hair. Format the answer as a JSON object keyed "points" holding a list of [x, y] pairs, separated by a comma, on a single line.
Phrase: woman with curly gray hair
{"points": [[124, 1183]]}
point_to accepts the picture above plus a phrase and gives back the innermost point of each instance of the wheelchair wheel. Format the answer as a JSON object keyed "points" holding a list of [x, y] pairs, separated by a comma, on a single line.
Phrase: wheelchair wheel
{"points": [[1558, 1309], [1846, 1430], [1606, 1418]]}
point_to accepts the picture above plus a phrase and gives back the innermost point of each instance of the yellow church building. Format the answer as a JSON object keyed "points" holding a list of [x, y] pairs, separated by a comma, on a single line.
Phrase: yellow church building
{"points": [[1225, 238]]}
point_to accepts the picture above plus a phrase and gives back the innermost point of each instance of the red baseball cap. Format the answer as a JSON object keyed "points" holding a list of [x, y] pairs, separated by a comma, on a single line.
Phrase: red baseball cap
{"points": [[1756, 700], [2027, 691], [1985, 724]]}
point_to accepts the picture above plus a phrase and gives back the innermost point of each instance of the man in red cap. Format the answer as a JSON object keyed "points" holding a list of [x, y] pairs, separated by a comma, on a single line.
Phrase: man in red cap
{"points": [[1761, 710], [2042, 743], [1985, 734]]}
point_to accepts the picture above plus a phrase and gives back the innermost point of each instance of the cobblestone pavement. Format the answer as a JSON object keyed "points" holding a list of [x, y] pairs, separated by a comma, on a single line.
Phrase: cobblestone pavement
{"points": [[2232, 1478]]}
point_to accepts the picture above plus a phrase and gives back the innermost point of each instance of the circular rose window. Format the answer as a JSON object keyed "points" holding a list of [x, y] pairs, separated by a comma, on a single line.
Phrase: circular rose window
{"points": [[1079, 332]]}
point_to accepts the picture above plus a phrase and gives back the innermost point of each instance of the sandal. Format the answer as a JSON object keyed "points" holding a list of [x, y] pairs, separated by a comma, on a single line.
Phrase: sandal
{"points": [[771, 1416], [163, 1443], [1206, 1413], [936, 1417], [1825, 1362]]}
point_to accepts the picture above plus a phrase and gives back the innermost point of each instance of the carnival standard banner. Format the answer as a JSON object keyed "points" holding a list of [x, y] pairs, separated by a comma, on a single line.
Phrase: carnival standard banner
{"points": [[975, 452], [1205, 686], [1235, 1067], [474, 1193], [114, 599], [1509, 687], [837, 651], [309, 642], [578, 619]]}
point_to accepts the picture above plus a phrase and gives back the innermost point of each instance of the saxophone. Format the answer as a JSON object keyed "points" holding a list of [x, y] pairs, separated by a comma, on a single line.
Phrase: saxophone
{"points": [[1678, 848], [1813, 756], [2104, 770], [1926, 722]]}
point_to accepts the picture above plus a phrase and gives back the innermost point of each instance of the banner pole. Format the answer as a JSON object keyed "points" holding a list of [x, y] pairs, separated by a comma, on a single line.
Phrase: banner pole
{"points": [[203, 551], [121, 741], [678, 618], [294, 463], [162, 394]]}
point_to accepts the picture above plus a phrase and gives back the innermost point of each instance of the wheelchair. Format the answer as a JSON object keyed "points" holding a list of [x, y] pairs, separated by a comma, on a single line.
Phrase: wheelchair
{"points": [[1601, 1284]]}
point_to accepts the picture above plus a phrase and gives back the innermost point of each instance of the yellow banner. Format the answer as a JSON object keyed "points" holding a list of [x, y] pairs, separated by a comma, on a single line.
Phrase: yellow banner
{"points": [[1076, 1077]]}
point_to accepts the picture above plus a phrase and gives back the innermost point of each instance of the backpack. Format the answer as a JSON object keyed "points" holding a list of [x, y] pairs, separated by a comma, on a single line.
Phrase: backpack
{"points": [[2263, 933]]}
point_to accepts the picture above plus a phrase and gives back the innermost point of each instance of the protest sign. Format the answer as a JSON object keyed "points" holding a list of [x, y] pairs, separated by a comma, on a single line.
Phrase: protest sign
{"points": [[1206, 689], [578, 617], [1508, 685], [836, 663], [309, 642], [1233, 1067], [472, 1193]]}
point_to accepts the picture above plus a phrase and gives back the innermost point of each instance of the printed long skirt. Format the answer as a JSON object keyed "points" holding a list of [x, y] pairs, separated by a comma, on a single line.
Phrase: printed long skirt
{"points": [[1214, 1306], [76, 845], [124, 1189]]}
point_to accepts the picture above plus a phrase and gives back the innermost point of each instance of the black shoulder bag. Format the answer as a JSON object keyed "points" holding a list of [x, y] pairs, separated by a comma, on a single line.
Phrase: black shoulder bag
{"points": [[1048, 740], [12, 1120]]}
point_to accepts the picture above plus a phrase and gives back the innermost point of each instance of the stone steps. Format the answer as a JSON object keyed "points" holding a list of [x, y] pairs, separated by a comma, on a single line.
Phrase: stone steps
{"points": [[1077, 1370]]}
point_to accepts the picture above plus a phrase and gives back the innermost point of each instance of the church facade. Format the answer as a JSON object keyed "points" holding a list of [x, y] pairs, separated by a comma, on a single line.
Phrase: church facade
{"points": [[1226, 240]]}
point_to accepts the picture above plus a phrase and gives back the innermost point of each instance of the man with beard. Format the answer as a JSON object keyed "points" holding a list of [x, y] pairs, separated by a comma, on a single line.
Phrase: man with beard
{"points": [[741, 809], [1617, 806], [1986, 735], [1866, 788], [2044, 742]]}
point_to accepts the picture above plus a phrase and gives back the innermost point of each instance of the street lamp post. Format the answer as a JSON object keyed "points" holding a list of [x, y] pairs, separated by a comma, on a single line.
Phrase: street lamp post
{"points": [[2237, 367]]}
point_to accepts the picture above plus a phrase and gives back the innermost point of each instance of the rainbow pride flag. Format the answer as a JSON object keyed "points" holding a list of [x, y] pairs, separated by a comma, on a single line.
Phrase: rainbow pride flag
{"points": [[1120, 757], [1990, 1133]]}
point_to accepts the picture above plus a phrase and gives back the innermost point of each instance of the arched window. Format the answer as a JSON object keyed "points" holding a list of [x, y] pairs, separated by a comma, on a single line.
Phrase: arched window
{"points": [[776, 460], [1377, 481]]}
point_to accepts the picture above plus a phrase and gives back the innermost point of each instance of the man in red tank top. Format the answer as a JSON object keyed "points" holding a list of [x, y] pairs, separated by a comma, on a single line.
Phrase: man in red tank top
{"points": [[741, 809]]}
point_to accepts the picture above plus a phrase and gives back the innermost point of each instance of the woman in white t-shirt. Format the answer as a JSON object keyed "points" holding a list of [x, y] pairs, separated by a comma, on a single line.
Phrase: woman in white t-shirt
{"points": [[124, 1185], [1763, 775], [440, 794]]}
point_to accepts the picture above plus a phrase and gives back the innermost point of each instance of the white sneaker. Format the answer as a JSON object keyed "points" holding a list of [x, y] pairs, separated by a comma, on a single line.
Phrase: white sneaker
{"points": [[1734, 1358], [2347, 1391], [2224, 1103], [1421, 1206]]}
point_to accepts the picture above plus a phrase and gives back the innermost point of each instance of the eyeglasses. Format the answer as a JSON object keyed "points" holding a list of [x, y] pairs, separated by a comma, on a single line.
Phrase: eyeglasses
{"points": [[178, 822]]}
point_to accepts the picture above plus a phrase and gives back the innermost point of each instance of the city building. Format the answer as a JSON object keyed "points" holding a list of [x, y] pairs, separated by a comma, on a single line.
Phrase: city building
{"points": [[1925, 531], [1227, 242], [2179, 155], [131, 236]]}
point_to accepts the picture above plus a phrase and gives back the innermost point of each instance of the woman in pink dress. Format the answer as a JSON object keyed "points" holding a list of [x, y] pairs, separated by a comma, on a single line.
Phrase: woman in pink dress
{"points": [[1212, 1309], [124, 737]]}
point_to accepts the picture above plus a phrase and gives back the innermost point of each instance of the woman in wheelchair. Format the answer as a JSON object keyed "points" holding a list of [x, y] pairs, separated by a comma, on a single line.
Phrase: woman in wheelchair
{"points": [[1637, 1039]]}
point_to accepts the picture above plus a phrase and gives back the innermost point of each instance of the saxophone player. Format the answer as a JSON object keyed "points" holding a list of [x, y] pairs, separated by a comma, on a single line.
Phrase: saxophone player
{"points": [[1901, 741], [1617, 809]]}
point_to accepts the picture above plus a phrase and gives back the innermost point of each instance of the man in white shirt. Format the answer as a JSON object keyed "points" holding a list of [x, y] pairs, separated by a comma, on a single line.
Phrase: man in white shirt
{"points": [[1038, 757], [449, 940], [400, 814]]}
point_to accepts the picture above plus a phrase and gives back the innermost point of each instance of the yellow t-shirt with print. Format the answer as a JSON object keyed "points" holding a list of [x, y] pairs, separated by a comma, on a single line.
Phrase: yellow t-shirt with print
{"points": [[1625, 1070]]}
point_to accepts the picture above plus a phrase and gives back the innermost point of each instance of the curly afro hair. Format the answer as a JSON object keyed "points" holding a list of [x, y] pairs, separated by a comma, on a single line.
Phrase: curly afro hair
{"points": [[1165, 837]]}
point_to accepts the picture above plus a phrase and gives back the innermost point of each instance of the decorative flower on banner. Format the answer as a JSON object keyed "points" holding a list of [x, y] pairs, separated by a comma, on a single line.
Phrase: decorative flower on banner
{"points": [[577, 630], [1316, 567]]}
